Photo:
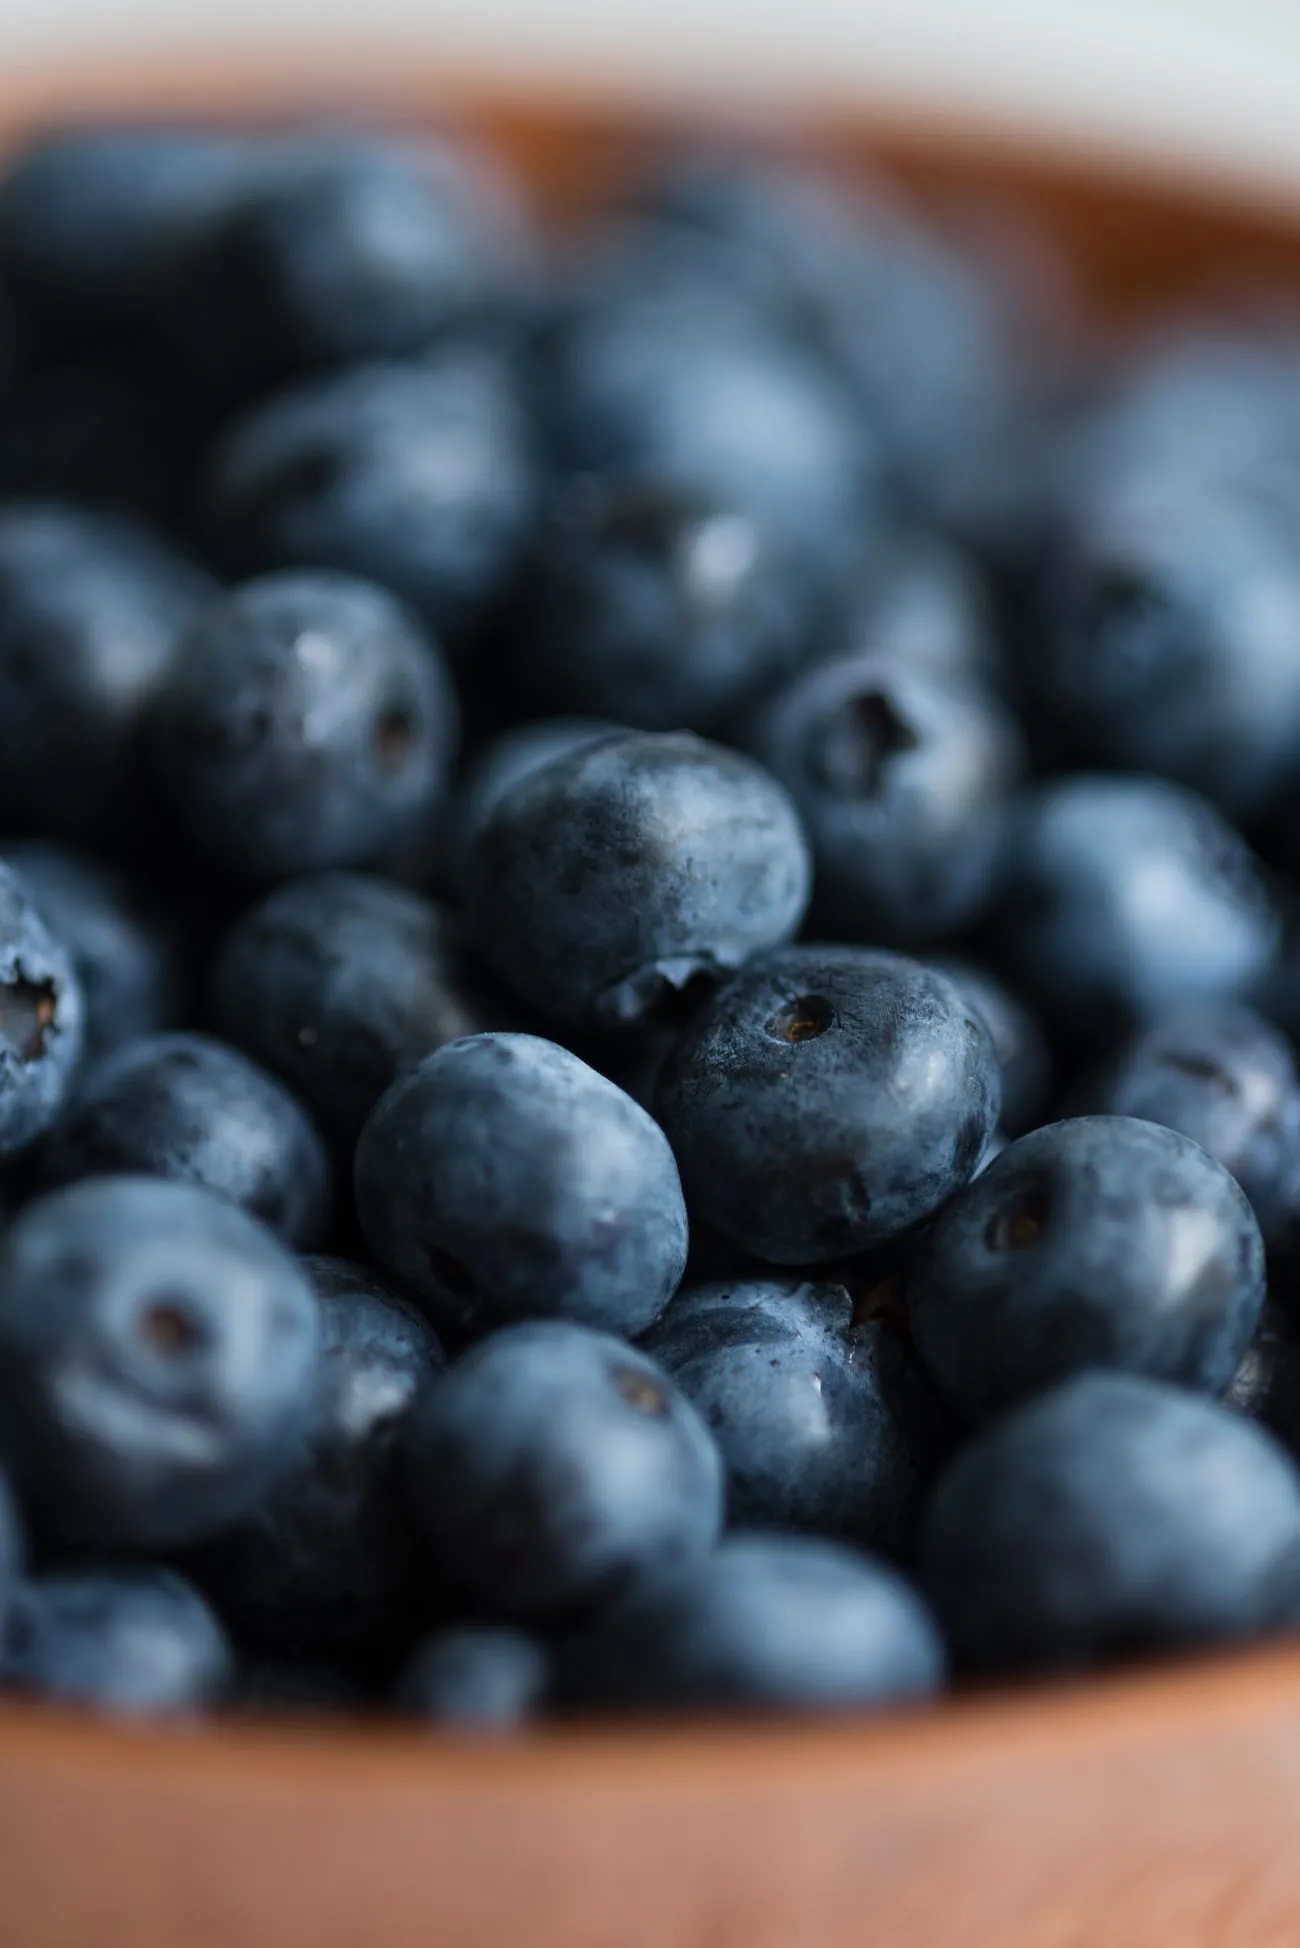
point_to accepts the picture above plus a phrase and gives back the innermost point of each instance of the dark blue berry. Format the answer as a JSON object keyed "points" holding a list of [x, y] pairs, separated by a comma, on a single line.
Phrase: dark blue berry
{"points": [[504, 1179], [132, 1641], [42, 1019], [825, 1422], [782, 1622], [193, 1110], [552, 1467], [481, 1678], [1101, 1242], [158, 1351], [1112, 1517], [827, 1100], [603, 885]]}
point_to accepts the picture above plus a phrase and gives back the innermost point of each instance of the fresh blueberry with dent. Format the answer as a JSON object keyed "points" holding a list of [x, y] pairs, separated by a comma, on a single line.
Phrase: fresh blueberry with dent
{"points": [[826, 1422], [1023, 1053], [42, 1020], [132, 1641], [504, 1179], [767, 1623], [327, 1562], [1103, 1242], [158, 1351], [478, 1677], [552, 1468], [1111, 1518], [606, 884], [337, 983], [306, 722], [902, 780], [827, 1100], [189, 1108]]}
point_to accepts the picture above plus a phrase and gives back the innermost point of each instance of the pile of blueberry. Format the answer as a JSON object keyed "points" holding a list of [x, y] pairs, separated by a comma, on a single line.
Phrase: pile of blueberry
{"points": [[645, 946]]}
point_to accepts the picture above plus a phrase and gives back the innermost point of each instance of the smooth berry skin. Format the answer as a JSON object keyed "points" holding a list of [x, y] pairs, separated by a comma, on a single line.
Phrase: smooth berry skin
{"points": [[605, 884], [1023, 1053], [658, 606], [127, 958], [191, 1109], [42, 1020], [504, 1179], [1266, 1386], [306, 723], [1227, 1078], [344, 248], [478, 1678], [91, 613], [158, 1350], [128, 1642], [825, 1425], [767, 1623], [1113, 1517], [327, 1561], [503, 761], [421, 476], [902, 782], [337, 983], [553, 1467], [1099, 1243], [827, 1100], [1123, 899]]}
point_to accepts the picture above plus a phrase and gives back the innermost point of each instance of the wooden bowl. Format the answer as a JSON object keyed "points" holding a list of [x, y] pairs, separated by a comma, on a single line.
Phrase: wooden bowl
{"points": [[1159, 1810]]}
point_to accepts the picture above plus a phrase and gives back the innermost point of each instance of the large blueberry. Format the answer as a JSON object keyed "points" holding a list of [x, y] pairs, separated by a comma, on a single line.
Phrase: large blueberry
{"points": [[828, 1099], [781, 1622], [191, 1109], [306, 722], [604, 884], [551, 1467], [91, 611], [130, 1641], [480, 1677], [1111, 1517], [338, 982], [327, 1561], [901, 779], [1101, 1242], [42, 1019], [824, 1423], [504, 1179], [1124, 898], [420, 476], [158, 1351]]}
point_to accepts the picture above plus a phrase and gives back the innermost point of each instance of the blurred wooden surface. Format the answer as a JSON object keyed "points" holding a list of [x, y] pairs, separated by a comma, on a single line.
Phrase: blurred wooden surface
{"points": [[1160, 1811]]}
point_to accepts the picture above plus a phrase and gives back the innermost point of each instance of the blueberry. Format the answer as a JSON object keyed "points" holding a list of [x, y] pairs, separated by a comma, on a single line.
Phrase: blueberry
{"points": [[126, 956], [1224, 1076], [659, 606], [1266, 1385], [1023, 1053], [91, 610], [157, 1355], [827, 1100], [1101, 1242], [781, 1622], [552, 1467], [1112, 1517], [190, 1109], [503, 1179], [132, 1641], [91, 218], [901, 779], [482, 1678], [337, 983], [341, 248], [326, 1561], [605, 884], [306, 722], [420, 476], [42, 1019], [825, 1423], [500, 763], [1125, 898]]}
